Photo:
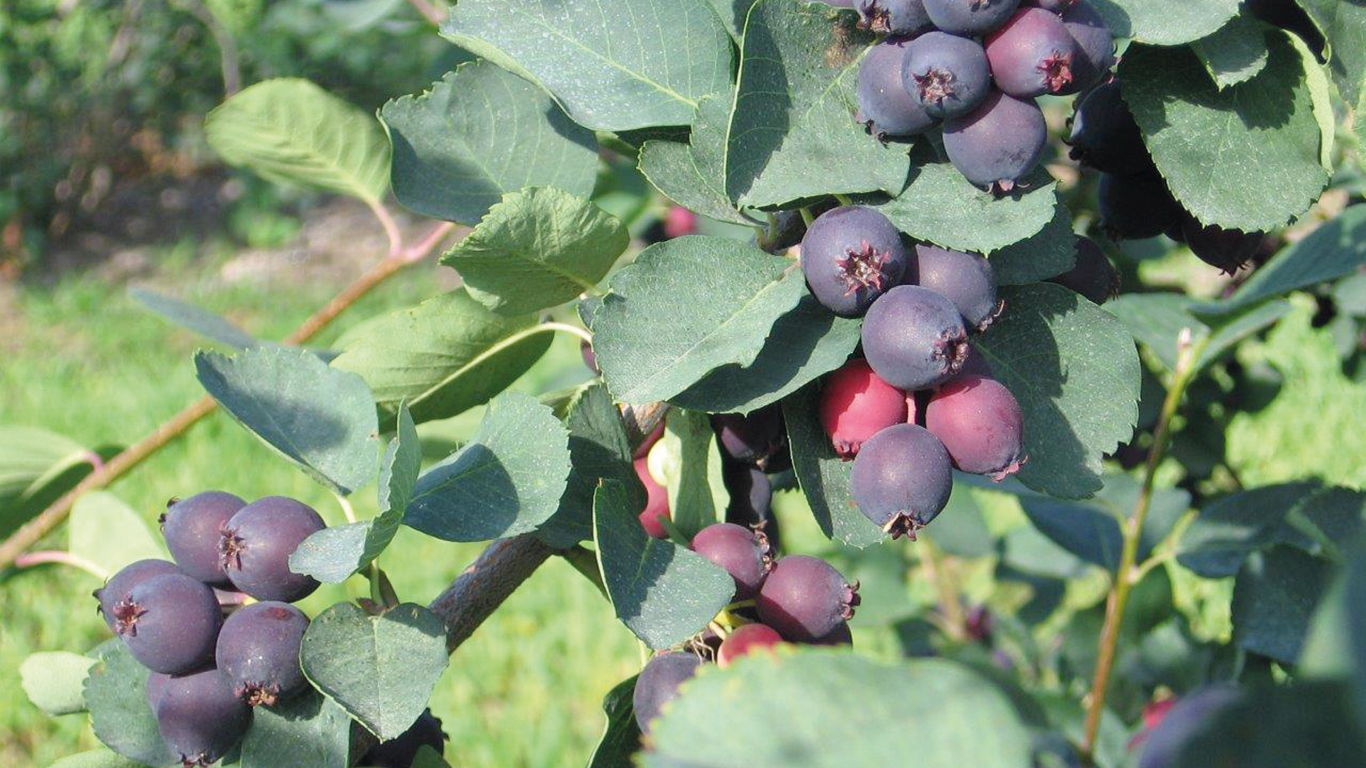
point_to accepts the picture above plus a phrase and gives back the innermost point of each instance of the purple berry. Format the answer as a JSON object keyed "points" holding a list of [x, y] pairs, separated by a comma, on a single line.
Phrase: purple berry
{"points": [[1105, 135], [751, 498], [966, 279], [1095, 46], [169, 623], [1032, 54], [156, 683], [901, 479], [192, 527], [1135, 207], [969, 17], [979, 423], [258, 650], [256, 545], [841, 635], [754, 438], [115, 591], [658, 684], [805, 598], [1056, 6], [199, 717], [895, 17], [1092, 276], [742, 552], [401, 751], [997, 144], [850, 256], [914, 338], [1163, 746], [1226, 249], [948, 75], [885, 106]]}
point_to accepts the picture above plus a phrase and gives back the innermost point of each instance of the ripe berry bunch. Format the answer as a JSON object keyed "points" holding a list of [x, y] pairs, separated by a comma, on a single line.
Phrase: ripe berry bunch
{"points": [[797, 599], [209, 666], [977, 66]]}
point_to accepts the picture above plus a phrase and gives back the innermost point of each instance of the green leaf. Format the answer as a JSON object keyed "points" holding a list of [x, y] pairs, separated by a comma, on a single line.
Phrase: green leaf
{"points": [[1246, 157], [292, 131], [116, 696], [598, 449], [1075, 372], [1165, 22], [55, 681], [595, 59], [805, 343], [1047, 253], [1156, 321], [427, 757], [793, 132], [1274, 600], [1234, 54], [97, 758], [733, 13], [320, 418], [108, 533], [691, 472], [507, 480], [1085, 530], [1217, 542], [791, 709], [685, 307], [380, 669], [660, 591], [479, 133], [693, 174], [621, 736], [1344, 26], [536, 249], [35, 466], [192, 318], [941, 207], [333, 554], [823, 476], [444, 356], [307, 731]]}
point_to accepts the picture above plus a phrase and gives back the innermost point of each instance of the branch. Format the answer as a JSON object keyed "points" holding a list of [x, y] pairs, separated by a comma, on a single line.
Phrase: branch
{"points": [[429, 12]]}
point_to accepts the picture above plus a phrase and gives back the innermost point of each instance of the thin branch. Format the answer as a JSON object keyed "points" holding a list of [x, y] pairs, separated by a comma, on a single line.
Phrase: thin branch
{"points": [[950, 602], [429, 12], [386, 220], [59, 557]]}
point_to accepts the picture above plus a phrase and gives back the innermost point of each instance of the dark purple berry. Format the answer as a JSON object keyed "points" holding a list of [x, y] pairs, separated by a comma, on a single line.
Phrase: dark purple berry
{"points": [[590, 358], [1105, 135], [1095, 46], [256, 545], [841, 635], [805, 598], [199, 717], [974, 364], [1093, 276], [115, 591], [901, 479], [156, 683], [1226, 249], [969, 17], [894, 17], [401, 751], [885, 106], [1056, 6], [258, 650], [742, 552], [914, 338], [966, 279], [752, 438], [751, 501], [1135, 207], [850, 256], [1190, 715], [948, 75], [192, 528], [658, 684], [169, 623], [1032, 54], [998, 144], [980, 424]]}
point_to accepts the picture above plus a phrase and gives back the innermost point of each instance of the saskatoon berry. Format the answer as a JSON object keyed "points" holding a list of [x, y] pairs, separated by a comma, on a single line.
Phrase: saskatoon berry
{"points": [[1056, 6], [885, 106], [975, 364], [979, 423], [115, 591], [1105, 135], [649, 442], [742, 552], [850, 256], [901, 479], [258, 650], [966, 279], [948, 75], [751, 497], [805, 598], [841, 635], [1092, 276], [1095, 46], [192, 527], [752, 438], [590, 358], [256, 545], [679, 221], [1135, 207], [401, 751], [969, 17], [1226, 249], [1032, 54], [746, 640], [658, 684], [199, 717], [997, 144], [896, 17], [914, 338], [656, 501], [855, 404], [156, 683], [1187, 718], [169, 623]]}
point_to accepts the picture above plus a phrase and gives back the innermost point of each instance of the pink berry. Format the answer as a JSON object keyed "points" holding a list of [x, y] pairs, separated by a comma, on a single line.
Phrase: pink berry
{"points": [[746, 640], [856, 403], [656, 502], [979, 423], [679, 221]]}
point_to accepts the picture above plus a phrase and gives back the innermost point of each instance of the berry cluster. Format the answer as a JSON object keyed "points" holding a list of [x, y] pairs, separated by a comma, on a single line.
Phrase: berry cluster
{"points": [[977, 66], [796, 599]]}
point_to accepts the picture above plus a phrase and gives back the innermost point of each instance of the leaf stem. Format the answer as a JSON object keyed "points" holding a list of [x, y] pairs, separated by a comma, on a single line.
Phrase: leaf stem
{"points": [[347, 510], [429, 12], [844, 199], [582, 333], [59, 557], [807, 216]]}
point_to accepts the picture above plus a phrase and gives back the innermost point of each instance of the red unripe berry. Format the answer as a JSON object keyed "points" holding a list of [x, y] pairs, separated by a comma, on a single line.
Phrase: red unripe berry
{"points": [[679, 221], [979, 422], [656, 501], [643, 449], [746, 640], [856, 403]]}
